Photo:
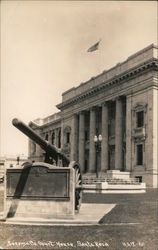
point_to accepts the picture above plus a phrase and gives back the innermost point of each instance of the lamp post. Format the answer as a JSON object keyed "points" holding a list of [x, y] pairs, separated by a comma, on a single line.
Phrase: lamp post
{"points": [[97, 141]]}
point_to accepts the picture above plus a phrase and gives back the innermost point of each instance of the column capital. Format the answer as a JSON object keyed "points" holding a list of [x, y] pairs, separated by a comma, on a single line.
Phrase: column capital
{"points": [[105, 103], [82, 112], [74, 114], [119, 98], [92, 108]]}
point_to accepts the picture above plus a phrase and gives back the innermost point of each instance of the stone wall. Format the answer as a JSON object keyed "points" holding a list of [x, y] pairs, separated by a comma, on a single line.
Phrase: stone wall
{"points": [[147, 101]]}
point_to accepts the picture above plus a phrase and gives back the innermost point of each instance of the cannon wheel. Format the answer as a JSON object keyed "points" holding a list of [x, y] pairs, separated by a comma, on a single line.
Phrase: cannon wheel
{"points": [[78, 185]]}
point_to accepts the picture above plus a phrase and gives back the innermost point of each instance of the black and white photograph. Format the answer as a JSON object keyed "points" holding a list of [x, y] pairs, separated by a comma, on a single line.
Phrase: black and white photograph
{"points": [[78, 125]]}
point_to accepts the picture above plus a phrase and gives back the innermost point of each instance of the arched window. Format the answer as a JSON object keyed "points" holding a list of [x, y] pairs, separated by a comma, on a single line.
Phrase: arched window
{"points": [[67, 133], [46, 137], [59, 138], [53, 138], [68, 137]]}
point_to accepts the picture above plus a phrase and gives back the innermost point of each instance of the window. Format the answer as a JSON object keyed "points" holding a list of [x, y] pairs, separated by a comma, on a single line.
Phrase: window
{"points": [[53, 137], [59, 139], [139, 154], [67, 133], [68, 137], [140, 119], [46, 137]]}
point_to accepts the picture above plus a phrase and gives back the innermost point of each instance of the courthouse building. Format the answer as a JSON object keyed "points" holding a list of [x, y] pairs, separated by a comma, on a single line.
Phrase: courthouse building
{"points": [[121, 105]]}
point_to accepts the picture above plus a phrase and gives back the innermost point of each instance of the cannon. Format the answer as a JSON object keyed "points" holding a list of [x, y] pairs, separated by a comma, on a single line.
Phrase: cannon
{"points": [[52, 152]]}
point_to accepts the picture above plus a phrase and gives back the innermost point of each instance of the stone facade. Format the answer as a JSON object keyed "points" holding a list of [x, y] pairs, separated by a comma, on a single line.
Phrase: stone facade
{"points": [[121, 104]]}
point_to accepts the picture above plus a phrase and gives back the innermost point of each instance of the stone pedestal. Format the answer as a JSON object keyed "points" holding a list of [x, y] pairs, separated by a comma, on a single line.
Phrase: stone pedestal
{"points": [[40, 191]]}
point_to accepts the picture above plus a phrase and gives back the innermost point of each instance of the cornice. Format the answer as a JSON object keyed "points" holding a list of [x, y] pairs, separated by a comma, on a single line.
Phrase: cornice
{"points": [[151, 64], [50, 123], [141, 85], [33, 125]]}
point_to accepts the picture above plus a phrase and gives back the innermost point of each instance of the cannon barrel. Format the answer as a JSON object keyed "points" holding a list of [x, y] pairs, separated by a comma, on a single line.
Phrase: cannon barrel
{"points": [[50, 149]]}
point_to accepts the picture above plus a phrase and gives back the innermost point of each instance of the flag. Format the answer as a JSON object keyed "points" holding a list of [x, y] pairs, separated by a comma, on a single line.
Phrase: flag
{"points": [[94, 47]]}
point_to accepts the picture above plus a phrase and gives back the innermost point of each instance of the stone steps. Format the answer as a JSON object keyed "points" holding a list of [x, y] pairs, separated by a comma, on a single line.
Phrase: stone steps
{"points": [[113, 181]]}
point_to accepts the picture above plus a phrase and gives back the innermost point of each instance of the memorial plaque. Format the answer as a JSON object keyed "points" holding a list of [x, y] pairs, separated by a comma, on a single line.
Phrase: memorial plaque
{"points": [[38, 182]]}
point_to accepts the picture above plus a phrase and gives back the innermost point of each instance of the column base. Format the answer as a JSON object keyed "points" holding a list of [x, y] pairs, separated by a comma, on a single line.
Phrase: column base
{"points": [[93, 174], [90, 173]]}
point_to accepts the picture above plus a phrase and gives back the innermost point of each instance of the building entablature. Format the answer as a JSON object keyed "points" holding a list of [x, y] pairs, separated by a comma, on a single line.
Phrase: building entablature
{"points": [[151, 64], [134, 86]]}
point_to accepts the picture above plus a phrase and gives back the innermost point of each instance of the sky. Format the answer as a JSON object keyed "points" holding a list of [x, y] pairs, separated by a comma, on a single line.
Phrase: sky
{"points": [[44, 53]]}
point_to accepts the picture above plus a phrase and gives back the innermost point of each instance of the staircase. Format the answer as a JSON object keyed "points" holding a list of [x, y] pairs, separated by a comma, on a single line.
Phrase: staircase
{"points": [[111, 181], [107, 183]]}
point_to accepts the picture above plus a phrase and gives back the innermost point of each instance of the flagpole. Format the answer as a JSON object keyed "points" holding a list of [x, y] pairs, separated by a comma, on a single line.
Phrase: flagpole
{"points": [[92, 49]]}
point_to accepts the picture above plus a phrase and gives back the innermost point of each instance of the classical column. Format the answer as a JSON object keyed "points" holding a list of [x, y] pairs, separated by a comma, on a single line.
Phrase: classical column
{"points": [[92, 152], [56, 137], [62, 133], [154, 162], [82, 140], [118, 135], [104, 149], [74, 138], [129, 142]]}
